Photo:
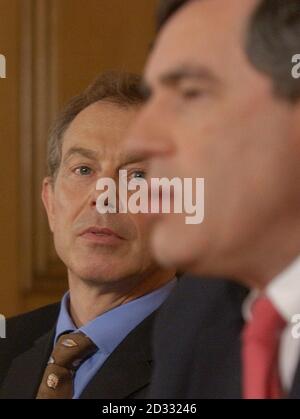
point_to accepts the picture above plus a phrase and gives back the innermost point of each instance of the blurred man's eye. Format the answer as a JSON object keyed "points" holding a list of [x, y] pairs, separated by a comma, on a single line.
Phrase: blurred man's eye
{"points": [[192, 92], [83, 171]]}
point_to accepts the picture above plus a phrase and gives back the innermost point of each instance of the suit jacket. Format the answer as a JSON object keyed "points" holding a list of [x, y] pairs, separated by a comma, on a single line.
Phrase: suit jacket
{"points": [[29, 343], [197, 348]]}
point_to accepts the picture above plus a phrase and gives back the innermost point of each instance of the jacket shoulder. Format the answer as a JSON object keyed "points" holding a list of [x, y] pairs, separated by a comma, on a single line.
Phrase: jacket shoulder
{"points": [[33, 323], [23, 330]]}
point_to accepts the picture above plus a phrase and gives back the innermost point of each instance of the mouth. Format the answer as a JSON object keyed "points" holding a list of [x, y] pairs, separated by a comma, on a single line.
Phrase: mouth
{"points": [[100, 235]]}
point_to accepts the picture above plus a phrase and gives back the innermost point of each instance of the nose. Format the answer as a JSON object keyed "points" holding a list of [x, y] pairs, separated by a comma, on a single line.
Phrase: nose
{"points": [[94, 194], [150, 135], [110, 199]]}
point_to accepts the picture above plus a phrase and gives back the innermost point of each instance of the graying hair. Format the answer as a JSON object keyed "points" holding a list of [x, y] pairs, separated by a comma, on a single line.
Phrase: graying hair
{"points": [[273, 37], [120, 88]]}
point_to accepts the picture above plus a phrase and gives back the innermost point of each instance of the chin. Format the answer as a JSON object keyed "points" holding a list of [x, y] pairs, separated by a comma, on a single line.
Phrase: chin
{"points": [[170, 249], [92, 270], [110, 271], [165, 252]]}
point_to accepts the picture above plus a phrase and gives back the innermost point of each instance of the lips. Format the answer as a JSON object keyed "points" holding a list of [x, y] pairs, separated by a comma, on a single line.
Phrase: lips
{"points": [[101, 236], [98, 231]]}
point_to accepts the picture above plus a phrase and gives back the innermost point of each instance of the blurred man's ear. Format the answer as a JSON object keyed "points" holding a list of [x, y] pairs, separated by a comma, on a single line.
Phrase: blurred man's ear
{"points": [[48, 200]]}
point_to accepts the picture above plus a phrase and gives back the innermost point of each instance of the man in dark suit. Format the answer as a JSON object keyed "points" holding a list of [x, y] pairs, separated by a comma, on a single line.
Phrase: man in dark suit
{"points": [[96, 343], [220, 88], [25, 353]]}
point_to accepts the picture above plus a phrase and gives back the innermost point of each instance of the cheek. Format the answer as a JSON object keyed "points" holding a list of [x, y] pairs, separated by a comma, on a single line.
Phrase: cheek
{"points": [[143, 226], [143, 230], [63, 209], [68, 201], [174, 243], [196, 142]]}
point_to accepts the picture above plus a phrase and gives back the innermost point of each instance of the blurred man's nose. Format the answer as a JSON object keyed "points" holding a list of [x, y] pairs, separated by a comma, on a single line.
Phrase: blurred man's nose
{"points": [[150, 134]]}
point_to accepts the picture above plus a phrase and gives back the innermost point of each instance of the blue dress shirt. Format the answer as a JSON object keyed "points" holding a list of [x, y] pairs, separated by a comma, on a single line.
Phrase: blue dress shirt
{"points": [[109, 329]]}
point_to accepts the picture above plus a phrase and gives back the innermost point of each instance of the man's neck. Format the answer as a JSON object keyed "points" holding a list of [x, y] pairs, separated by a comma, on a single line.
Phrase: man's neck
{"points": [[256, 263], [89, 300], [271, 256]]}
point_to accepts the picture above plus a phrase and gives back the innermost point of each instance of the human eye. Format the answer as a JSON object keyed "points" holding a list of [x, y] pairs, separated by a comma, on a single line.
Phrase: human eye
{"points": [[136, 175], [83, 171], [192, 90], [139, 174], [192, 93]]}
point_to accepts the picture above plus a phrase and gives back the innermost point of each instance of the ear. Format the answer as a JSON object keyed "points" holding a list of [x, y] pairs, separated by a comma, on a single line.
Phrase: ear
{"points": [[48, 200]]}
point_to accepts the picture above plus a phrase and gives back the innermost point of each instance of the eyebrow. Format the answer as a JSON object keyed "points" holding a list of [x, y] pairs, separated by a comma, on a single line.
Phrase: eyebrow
{"points": [[185, 72], [85, 152], [133, 158]]}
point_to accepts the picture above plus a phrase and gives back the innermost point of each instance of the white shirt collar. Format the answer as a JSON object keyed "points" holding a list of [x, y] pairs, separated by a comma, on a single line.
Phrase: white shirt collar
{"points": [[283, 291]]}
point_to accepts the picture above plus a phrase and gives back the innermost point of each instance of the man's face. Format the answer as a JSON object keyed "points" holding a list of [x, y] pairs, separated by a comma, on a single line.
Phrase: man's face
{"points": [[211, 115], [92, 149]]}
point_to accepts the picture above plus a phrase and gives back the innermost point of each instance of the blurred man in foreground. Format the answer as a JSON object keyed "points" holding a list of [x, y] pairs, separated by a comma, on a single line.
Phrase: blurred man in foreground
{"points": [[222, 105]]}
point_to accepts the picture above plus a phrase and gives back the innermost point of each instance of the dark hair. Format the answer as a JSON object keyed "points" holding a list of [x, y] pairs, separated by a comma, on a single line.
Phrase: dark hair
{"points": [[120, 88], [272, 39], [166, 9]]}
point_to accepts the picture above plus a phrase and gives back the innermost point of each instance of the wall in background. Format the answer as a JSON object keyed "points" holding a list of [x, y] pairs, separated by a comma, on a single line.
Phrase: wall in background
{"points": [[9, 162]]}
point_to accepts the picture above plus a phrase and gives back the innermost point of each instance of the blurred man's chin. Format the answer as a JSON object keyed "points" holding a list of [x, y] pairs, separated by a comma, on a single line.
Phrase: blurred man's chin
{"points": [[168, 248]]}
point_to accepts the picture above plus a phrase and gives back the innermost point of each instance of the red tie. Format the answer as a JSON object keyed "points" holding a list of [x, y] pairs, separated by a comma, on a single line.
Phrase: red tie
{"points": [[260, 349]]}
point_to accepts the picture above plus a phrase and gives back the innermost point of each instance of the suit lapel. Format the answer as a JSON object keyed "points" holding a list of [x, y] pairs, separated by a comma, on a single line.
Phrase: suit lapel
{"points": [[221, 345], [217, 370], [127, 370], [26, 371], [295, 391]]}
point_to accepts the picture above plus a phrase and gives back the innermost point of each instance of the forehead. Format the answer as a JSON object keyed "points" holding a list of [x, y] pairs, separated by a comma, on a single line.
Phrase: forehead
{"points": [[102, 124], [204, 32]]}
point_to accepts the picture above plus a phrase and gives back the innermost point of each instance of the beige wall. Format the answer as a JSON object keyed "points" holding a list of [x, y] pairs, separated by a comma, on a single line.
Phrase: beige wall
{"points": [[86, 37], [104, 34], [9, 275]]}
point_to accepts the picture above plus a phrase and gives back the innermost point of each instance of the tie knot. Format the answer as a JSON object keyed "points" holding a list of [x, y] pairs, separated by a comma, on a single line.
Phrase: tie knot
{"points": [[71, 349], [69, 352], [266, 323]]}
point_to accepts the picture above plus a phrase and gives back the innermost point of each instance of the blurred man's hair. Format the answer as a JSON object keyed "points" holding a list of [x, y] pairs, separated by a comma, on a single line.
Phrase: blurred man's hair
{"points": [[119, 88], [273, 38]]}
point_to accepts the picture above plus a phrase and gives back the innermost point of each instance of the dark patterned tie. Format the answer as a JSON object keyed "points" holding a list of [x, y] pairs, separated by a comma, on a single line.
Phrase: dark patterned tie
{"points": [[68, 354]]}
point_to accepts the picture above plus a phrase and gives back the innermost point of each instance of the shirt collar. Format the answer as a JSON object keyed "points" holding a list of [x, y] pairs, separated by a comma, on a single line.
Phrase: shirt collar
{"points": [[110, 328], [283, 291]]}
